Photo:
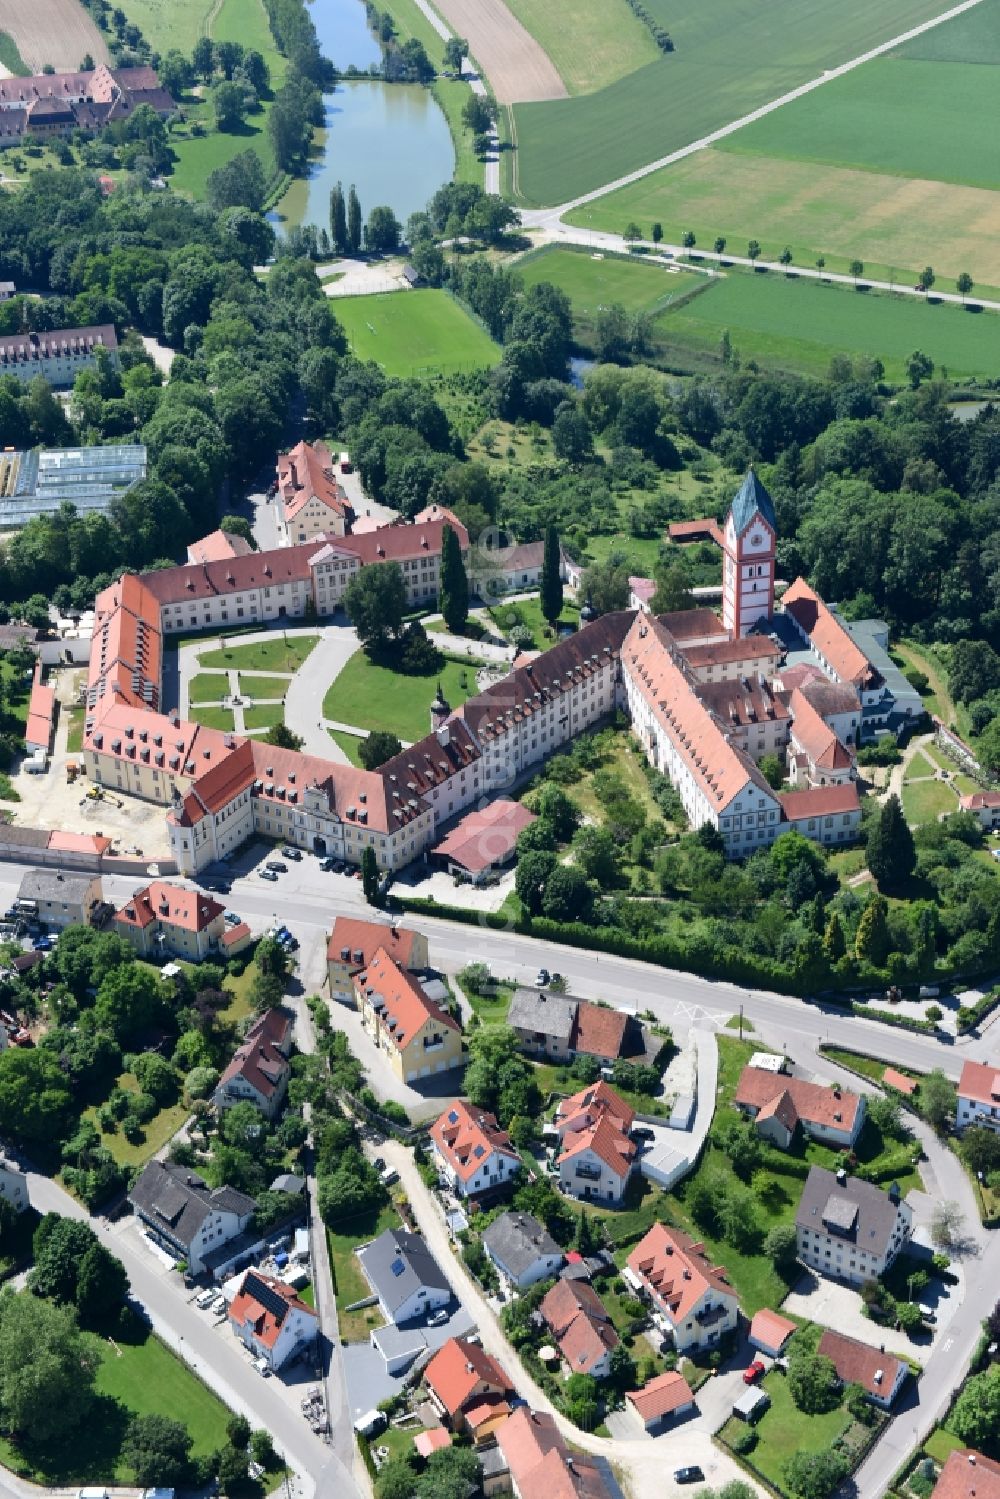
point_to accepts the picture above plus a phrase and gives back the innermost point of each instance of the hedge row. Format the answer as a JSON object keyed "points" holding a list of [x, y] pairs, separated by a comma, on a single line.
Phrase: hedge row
{"points": [[969, 1016], [886, 1017]]}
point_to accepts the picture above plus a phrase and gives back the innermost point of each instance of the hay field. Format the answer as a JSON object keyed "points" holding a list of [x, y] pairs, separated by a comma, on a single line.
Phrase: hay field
{"points": [[415, 333], [59, 32], [592, 284], [591, 42], [514, 62]]}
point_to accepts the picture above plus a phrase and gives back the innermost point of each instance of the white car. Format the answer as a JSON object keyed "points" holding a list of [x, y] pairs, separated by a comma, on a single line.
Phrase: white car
{"points": [[262, 1366], [205, 1299]]}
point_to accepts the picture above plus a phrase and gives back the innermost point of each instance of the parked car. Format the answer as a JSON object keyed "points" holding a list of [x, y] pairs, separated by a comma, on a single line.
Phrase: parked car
{"points": [[379, 1163], [231, 918], [692, 1474], [330, 865], [543, 978], [276, 866], [291, 852], [754, 1372], [204, 1299], [438, 1318], [263, 1367], [389, 1176], [269, 874], [927, 1312], [42, 944]]}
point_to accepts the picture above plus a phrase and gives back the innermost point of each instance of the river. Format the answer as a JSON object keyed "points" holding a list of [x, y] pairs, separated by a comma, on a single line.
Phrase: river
{"points": [[390, 139]]}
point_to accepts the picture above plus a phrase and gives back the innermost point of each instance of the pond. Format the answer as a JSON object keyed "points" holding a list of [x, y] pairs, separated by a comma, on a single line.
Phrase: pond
{"points": [[391, 140]]}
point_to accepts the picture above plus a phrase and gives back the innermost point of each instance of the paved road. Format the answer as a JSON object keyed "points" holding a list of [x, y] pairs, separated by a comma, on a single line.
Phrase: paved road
{"points": [[491, 175]]}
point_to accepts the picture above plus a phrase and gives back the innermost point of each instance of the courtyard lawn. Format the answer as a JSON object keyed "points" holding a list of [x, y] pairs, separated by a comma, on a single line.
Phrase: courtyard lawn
{"points": [[374, 697], [528, 614], [919, 766], [262, 687], [784, 1430], [727, 60], [74, 730], [926, 801], [941, 1443], [264, 716], [208, 687], [349, 1281], [626, 761], [222, 719], [591, 43], [277, 653], [349, 743], [415, 333]]}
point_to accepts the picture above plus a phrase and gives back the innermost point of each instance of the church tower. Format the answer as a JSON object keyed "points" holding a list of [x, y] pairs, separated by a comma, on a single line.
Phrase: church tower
{"points": [[748, 558]]}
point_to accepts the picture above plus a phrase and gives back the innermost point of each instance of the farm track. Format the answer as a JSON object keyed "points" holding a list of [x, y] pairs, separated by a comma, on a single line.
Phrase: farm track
{"points": [[59, 32]]}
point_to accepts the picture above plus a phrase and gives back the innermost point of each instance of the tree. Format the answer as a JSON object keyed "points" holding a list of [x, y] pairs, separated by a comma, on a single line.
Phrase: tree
{"points": [[688, 240], [772, 770], [47, 1369], [559, 811], [35, 1102], [937, 1100], [753, 250], [262, 1448], [919, 367], [158, 1450], [338, 219], [739, 1141], [498, 1078], [379, 747], [382, 231], [975, 1418], [454, 592], [947, 1223], [656, 232], [821, 264], [479, 114], [533, 871], [926, 278], [567, 897], [282, 737], [229, 104], [572, 440], [781, 1246], [375, 600], [633, 232], [786, 256], [909, 1317], [857, 268], [238, 1432], [834, 941], [891, 854], [872, 941], [814, 1475], [370, 875], [203, 58], [884, 1113], [176, 73], [238, 525], [456, 48], [130, 1001], [720, 244], [812, 1383], [673, 589], [550, 584], [353, 221], [101, 1287], [59, 1245], [964, 283]]}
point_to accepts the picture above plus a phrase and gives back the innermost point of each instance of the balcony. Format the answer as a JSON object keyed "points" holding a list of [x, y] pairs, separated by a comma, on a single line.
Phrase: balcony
{"points": [[588, 1173]]}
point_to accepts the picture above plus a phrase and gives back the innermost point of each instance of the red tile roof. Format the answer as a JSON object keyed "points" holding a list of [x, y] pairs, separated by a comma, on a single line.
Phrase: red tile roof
{"points": [[662, 1395], [485, 836], [598, 1031], [590, 1103], [207, 580], [540, 1463], [743, 701], [190, 910], [217, 546], [78, 843], [361, 940], [467, 1137], [899, 1081], [405, 1006], [819, 801], [832, 1108], [813, 734], [859, 1363], [607, 1139], [968, 1475], [394, 543], [580, 1324], [828, 636], [427, 1442], [750, 648], [693, 624], [980, 1082], [644, 589], [677, 1271], [267, 1322], [41, 713], [771, 1329], [461, 1372], [306, 473], [260, 1059], [977, 801]]}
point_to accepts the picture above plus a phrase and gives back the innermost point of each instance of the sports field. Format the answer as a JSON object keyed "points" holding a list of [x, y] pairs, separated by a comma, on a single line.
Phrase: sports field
{"points": [[796, 324], [731, 56], [415, 333], [592, 283], [591, 42]]}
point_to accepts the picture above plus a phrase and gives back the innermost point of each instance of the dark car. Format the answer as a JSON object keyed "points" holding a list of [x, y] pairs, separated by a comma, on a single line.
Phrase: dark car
{"points": [[292, 853], [276, 866], [269, 874], [692, 1474], [330, 865], [218, 887]]}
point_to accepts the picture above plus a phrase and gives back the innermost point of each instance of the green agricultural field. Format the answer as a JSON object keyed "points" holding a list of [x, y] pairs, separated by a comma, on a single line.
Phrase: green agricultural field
{"points": [[373, 697], [593, 282], [415, 333], [590, 42], [175, 24], [971, 37], [796, 324], [730, 57]]}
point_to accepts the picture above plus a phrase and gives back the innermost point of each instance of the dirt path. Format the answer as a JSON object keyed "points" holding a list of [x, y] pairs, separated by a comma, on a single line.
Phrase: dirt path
{"points": [[59, 32], [516, 66]]}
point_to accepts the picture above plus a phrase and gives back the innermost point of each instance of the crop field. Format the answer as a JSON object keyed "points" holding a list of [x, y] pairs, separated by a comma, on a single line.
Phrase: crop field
{"points": [[513, 61], [56, 32], [591, 42], [890, 223], [797, 324], [730, 57], [174, 23], [594, 282], [414, 332], [972, 37]]}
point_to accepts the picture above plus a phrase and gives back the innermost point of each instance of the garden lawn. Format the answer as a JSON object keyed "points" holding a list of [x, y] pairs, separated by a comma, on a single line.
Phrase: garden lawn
{"points": [[208, 687], [528, 613], [623, 761], [374, 697], [591, 43], [869, 1067], [492, 1008], [161, 1128], [264, 717], [213, 718], [729, 58], [919, 766], [262, 687], [349, 743], [925, 801], [74, 730], [277, 653], [784, 1430], [415, 333], [941, 1443], [239, 986], [348, 1277]]}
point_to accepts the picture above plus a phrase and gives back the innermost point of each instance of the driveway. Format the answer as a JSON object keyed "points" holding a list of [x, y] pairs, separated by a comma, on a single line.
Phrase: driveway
{"points": [[832, 1304], [369, 1383]]}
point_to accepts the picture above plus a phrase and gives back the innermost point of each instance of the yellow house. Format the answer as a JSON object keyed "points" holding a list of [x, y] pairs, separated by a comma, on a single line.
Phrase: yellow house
{"points": [[417, 1036], [354, 942]]}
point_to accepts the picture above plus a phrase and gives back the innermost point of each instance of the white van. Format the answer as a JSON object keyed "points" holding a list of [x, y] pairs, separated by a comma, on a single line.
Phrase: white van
{"points": [[92, 1494], [371, 1423]]}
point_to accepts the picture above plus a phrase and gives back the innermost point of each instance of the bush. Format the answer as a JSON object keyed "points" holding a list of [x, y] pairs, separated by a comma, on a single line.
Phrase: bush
{"points": [[744, 1441]]}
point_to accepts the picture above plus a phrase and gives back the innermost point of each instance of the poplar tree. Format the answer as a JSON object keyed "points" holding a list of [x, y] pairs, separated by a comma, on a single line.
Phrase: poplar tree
{"points": [[551, 581], [338, 219], [454, 595], [353, 221]]}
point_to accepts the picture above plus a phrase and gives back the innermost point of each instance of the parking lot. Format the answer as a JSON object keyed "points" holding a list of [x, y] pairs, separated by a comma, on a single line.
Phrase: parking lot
{"points": [[368, 1381]]}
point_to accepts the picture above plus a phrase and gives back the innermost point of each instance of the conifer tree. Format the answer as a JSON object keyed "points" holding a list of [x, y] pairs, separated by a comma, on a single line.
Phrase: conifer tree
{"points": [[892, 857], [834, 944], [551, 582], [338, 220], [353, 221], [454, 596], [872, 941]]}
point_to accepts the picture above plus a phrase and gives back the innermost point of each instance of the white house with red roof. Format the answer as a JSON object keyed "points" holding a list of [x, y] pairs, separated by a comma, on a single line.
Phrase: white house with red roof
{"points": [[816, 756], [472, 1151], [582, 1327], [164, 920], [308, 499], [469, 1389], [978, 1096], [881, 1375], [597, 1156], [271, 1320], [984, 806], [968, 1475], [662, 1399], [692, 1298], [259, 1070], [780, 1105], [541, 1466]]}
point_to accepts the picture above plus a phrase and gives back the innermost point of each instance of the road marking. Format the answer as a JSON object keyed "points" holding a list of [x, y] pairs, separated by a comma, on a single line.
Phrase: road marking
{"points": [[947, 1344]]}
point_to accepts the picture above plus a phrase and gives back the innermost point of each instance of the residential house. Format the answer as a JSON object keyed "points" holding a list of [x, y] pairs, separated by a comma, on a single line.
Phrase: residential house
{"points": [[693, 1301], [543, 1023], [404, 1275], [184, 1215], [850, 1229], [308, 500], [59, 899], [968, 1475], [41, 723], [260, 1069], [13, 1181], [354, 942], [472, 1151], [164, 920], [271, 1320], [779, 1105], [661, 1400], [416, 1034], [58, 356], [985, 806], [522, 1249], [880, 1374], [541, 1466], [581, 1326], [978, 1096], [469, 1390], [769, 1332], [597, 1156]]}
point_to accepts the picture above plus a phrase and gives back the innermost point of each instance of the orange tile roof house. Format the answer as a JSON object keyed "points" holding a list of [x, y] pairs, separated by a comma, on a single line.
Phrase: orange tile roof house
{"points": [[968, 1475], [167, 920], [417, 1035], [270, 1319], [780, 1104], [472, 1151], [217, 546], [483, 841], [597, 1155], [985, 805], [540, 1464], [581, 1326], [309, 500], [354, 942], [41, 723], [769, 1331], [662, 1398], [259, 1070], [817, 756], [836, 651], [879, 1374], [692, 1299], [979, 1095], [469, 1388]]}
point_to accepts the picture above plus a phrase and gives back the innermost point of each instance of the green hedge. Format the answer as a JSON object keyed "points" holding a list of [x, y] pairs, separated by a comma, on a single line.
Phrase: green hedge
{"points": [[969, 1016], [886, 1017]]}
